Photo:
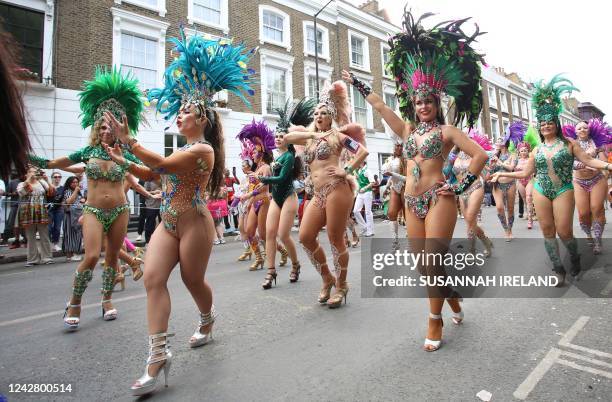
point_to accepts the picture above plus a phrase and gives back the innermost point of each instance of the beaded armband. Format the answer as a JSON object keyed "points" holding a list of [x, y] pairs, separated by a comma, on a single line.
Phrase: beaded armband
{"points": [[361, 86], [464, 184], [128, 145], [39, 161]]}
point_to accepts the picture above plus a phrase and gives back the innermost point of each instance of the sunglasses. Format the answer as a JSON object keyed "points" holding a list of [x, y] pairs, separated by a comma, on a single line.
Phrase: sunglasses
{"points": [[57, 177]]}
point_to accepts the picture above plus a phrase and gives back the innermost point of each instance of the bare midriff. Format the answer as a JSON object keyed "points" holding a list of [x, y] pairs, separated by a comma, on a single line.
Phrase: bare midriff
{"points": [[105, 193]]}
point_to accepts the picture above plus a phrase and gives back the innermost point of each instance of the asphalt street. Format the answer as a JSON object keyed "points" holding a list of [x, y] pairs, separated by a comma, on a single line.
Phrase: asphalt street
{"points": [[280, 344]]}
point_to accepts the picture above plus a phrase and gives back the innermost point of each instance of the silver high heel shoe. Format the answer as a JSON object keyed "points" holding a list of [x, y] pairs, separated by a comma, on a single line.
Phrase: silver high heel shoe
{"points": [[159, 351], [201, 339]]}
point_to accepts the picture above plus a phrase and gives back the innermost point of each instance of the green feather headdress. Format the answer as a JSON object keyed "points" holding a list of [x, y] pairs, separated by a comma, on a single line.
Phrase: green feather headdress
{"points": [[546, 99], [111, 91], [436, 61], [295, 113]]}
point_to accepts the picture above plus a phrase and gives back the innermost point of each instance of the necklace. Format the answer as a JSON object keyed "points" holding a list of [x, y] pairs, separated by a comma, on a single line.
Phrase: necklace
{"points": [[584, 144], [425, 126], [551, 146]]}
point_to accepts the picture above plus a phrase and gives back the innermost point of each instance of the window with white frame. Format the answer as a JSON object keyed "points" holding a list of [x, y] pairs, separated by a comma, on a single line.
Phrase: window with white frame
{"points": [[390, 99], [515, 105], [276, 84], [492, 96], [274, 27], [139, 46], [139, 55], [503, 98], [505, 123], [524, 109], [312, 85], [494, 127], [360, 108], [158, 6], [322, 40], [207, 10], [385, 49], [172, 142], [359, 51]]}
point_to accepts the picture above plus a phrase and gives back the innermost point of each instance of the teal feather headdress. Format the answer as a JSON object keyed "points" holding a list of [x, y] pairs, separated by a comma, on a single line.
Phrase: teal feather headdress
{"points": [[546, 99], [111, 91], [203, 68], [436, 61]]}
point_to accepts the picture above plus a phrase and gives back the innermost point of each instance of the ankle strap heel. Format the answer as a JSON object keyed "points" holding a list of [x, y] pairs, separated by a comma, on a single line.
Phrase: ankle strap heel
{"points": [[198, 338], [159, 351]]}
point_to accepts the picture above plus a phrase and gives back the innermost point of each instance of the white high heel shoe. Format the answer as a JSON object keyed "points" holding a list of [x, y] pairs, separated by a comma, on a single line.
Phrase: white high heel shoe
{"points": [[159, 351], [71, 323], [200, 339], [433, 345], [457, 318]]}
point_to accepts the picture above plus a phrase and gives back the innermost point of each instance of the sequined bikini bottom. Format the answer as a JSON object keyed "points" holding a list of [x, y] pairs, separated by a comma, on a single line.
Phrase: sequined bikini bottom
{"points": [[588, 184], [319, 198], [106, 216], [420, 204]]}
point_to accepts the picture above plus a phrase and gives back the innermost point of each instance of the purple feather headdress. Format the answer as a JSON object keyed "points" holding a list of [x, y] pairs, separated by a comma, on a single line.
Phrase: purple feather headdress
{"points": [[599, 131], [259, 134], [480, 139], [515, 132]]}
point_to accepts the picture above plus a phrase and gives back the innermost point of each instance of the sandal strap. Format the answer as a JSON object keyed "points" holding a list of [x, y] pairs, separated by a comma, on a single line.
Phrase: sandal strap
{"points": [[208, 318], [435, 316]]}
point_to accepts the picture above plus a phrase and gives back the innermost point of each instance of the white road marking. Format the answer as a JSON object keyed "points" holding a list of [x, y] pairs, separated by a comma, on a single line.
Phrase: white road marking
{"points": [[59, 312], [566, 340], [587, 359], [537, 374], [585, 368]]}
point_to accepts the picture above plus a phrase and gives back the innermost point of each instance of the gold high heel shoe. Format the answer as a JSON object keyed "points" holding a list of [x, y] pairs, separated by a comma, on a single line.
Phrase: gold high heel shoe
{"points": [[284, 254], [295, 272], [198, 338], [325, 293], [159, 351], [247, 254], [259, 261], [335, 300], [120, 278], [136, 270]]}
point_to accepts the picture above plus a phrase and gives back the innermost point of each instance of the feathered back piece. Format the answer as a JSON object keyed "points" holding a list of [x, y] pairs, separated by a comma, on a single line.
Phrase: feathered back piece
{"points": [[480, 139], [335, 97], [599, 131], [531, 139], [546, 98], [203, 68], [294, 113], [112, 91], [437, 61], [258, 133]]}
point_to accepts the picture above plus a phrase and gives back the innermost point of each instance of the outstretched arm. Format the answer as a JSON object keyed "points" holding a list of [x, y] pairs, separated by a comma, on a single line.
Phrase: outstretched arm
{"points": [[527, 171], [587, 159], [393, 120]]}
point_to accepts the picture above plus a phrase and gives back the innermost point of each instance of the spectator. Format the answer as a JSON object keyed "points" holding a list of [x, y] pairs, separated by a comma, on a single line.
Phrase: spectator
{"points": [[229, 188], [364, 200], [56, 212], [152, 208], [142, 214], [218, 210], [73, 208], [34, 217], [10, 228], [376, 188]]}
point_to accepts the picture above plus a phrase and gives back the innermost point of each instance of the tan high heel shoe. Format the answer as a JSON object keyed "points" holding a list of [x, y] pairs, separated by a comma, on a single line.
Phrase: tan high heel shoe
{"points": [[120, 278], [259, 261], [325, 293], [284, 254], [335, 300], [247, 254], [136, 270], [295, 272]]}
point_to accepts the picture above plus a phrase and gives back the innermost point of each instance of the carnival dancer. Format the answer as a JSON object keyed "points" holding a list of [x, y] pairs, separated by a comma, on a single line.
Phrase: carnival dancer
{"points": [[590, 191], [504, 191], [395, 167], [241, 204], [202, 68], [257, 143], [284, 204], [106, 211], [525, 186], [324, 140], [427, 64], [552, 163], [470, 200]]}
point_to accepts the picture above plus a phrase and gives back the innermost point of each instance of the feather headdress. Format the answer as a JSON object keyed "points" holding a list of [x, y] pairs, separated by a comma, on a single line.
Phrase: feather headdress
{"points": [[295, 113], [259, 134], [112, 91], [599, 131], [480, 139], [437, 61], [531, 139], [514, 134], [546, 98], [203, 68], [335, 97]]}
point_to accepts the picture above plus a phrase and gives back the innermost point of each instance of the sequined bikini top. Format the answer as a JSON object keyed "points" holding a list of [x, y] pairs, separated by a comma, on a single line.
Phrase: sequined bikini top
{"points": [[589, 148], [318, 149], [94, 171], [431, 147], [459, 167], [562, 162]]}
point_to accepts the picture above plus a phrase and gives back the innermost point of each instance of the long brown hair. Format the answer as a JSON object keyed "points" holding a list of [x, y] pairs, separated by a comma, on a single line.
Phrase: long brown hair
{"points": [[213, 133], [15, 140]]}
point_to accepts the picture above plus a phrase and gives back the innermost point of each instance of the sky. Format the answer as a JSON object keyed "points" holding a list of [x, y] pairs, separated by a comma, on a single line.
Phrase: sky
{"points": [[535, 38]]}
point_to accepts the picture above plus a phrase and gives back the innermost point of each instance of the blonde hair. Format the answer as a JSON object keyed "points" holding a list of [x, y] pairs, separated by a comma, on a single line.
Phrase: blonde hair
{"points": [[332, 140], [94, 136]]}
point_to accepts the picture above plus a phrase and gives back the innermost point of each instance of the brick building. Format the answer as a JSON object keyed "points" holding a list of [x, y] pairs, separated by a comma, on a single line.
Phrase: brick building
{"points": [[72, 37]]}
